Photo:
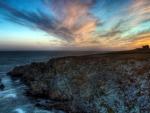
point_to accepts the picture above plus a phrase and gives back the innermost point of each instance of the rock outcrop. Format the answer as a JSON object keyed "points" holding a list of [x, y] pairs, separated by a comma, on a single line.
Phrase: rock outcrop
{"points": [[1, 85], [90, 84]]}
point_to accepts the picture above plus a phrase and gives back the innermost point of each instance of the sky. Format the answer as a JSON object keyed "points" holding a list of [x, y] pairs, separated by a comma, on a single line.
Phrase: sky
{"points": [[91, 25]]}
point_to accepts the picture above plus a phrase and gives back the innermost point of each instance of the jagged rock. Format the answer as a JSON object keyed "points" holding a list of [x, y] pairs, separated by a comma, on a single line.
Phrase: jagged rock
{"points": [[2, 86], [107, 83]]}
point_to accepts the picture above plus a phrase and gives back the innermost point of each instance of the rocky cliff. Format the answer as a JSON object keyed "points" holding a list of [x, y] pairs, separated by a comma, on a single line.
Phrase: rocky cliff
{"points": [[104, 83]]}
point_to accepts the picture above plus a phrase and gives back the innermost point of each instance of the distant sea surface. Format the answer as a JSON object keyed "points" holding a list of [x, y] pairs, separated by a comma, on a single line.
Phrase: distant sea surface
{"points": [[12, 99]]}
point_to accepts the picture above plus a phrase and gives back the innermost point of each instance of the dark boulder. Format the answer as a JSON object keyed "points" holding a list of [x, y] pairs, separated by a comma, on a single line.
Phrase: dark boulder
{"points": [[2, 86]]}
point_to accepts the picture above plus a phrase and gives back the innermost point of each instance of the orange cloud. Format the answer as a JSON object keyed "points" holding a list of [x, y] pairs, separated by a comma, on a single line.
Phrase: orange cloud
{"points": [[144, 35], [74, 20]]}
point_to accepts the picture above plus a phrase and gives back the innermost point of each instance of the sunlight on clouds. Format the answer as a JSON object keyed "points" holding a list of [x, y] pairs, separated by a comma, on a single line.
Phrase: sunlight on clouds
{"points": [[75, 22], [78, 24], [137, 12], [141, 42], [140, 11], [144, 35]]}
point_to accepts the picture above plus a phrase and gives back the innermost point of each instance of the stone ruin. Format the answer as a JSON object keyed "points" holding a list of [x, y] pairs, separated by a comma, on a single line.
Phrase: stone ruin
{"points": [[144, 48]]}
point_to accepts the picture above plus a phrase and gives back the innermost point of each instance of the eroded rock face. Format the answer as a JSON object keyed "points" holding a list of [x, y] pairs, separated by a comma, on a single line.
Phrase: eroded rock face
{"points": [[90, 84]]}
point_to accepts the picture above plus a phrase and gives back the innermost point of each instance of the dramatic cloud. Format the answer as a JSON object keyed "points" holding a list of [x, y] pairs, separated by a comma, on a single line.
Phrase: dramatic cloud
{"points": [[75, 22], [32, 19], [71, 20], [128, 26], [97, 24]]}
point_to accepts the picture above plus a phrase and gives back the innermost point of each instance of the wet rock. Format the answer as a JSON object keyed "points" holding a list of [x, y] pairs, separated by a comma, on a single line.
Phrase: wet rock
{"points": [[2, 86], [27, 93]]}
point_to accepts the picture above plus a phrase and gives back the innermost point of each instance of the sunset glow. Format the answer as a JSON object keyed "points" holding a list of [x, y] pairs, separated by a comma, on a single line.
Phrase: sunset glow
{"points": [[74, 24]]}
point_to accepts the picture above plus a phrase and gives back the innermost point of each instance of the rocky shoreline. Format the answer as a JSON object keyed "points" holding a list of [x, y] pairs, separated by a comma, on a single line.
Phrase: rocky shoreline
{"points": [[103, 83]]}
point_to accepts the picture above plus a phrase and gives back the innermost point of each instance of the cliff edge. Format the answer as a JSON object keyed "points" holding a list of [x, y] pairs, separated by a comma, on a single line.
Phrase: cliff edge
{"points": [[117, 82]]}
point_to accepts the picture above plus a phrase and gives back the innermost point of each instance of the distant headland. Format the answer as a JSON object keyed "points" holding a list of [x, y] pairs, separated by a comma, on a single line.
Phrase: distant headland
{"points": [[144, 48]]}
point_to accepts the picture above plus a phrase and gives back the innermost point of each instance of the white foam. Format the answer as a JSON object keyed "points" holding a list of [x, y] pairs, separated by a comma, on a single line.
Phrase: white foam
{"points": [[7, 91], [19, 110], [46, 111], [42, 111], [11, 96], [23, 86], [17, 81]]}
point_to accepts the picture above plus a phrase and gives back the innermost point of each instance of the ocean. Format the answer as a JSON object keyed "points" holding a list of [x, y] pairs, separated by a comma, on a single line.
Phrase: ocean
{"points": [[12, 99]]}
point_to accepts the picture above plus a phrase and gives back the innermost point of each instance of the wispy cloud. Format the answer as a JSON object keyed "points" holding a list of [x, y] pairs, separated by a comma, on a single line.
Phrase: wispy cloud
{"points": [[138, 11], [85, 23], [73, 17], [23, 17], [131, 28], [71, 22]]}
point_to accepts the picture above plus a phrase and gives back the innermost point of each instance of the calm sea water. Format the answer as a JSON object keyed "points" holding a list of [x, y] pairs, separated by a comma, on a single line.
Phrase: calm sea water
{"points": [[12, 99]]}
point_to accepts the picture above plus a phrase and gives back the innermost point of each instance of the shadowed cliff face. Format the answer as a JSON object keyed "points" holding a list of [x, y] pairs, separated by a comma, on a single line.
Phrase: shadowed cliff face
{"points": [[95, 83]]}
